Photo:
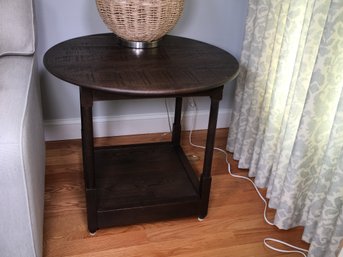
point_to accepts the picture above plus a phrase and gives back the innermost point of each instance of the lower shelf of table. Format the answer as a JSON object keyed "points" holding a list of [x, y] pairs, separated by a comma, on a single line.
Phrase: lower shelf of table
{"points": [[142, 183]]}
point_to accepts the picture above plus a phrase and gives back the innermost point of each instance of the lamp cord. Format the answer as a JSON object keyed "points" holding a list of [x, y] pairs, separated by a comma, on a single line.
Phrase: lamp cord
{"points": [[266, 241]]}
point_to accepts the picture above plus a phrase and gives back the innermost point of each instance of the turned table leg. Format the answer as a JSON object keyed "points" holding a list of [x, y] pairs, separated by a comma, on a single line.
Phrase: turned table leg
{"points": [[176, 136], [86, 101], [205, 179]]}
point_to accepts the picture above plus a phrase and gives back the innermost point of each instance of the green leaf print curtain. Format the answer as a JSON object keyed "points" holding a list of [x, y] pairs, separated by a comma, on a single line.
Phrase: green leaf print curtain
{"points": [[287, 122]]}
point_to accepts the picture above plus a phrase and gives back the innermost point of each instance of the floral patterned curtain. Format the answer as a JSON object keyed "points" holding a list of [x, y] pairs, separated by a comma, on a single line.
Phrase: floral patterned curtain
{"points": [[287, 122]]}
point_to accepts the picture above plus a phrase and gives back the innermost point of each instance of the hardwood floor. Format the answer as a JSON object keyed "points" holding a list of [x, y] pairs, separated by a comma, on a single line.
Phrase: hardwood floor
{"points": [[234, 225]]}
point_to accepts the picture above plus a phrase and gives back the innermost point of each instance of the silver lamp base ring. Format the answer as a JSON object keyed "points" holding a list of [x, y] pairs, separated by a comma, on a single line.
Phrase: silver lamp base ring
{"points": [[138, 44]]}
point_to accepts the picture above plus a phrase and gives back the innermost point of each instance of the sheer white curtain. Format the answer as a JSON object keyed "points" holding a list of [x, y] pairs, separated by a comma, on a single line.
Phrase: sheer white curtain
{"points": [[287, 123]]}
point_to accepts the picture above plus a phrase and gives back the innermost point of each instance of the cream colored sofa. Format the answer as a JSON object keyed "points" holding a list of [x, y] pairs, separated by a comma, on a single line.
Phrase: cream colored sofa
{"points": [[22, 149]]}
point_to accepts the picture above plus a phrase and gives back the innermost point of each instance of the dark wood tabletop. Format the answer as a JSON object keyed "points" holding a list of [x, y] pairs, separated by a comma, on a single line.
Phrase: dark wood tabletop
{"points": [[177, 66]]}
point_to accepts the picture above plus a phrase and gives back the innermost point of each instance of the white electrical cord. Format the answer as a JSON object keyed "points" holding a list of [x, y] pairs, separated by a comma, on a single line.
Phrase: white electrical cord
{"points": [[169, 123], [235, 175], [298, 249], [266, 240]]}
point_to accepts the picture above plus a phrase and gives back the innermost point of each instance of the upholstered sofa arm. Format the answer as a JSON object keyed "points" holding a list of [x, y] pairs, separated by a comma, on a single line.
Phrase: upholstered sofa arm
{"points": [[22, 158]]}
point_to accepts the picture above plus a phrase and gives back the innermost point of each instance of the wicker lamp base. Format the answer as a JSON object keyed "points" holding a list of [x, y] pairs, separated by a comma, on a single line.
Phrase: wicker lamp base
{"points": [[140, 23]]}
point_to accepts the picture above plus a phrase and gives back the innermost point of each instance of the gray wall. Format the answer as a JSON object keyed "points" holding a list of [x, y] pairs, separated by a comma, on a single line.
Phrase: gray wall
{"points": [[219, 22]]}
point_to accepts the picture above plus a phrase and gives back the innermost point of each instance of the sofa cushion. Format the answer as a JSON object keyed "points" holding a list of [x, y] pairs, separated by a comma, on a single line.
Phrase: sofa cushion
{"points": [[16, 27]]}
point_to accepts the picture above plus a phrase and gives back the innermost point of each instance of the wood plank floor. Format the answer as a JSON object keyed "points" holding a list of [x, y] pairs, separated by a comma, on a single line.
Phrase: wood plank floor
{"points": [[234, 225]]}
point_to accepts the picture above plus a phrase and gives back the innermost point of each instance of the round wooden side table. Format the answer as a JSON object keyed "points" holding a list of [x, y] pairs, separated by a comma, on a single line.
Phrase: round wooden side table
{"points": [[152, 181]]}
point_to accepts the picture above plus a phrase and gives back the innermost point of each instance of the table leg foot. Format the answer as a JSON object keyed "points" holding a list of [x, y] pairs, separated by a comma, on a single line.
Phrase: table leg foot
{"points": [[200, 219]]}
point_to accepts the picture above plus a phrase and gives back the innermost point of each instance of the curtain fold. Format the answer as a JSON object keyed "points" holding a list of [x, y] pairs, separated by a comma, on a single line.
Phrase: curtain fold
{"points": [[287, 121]]}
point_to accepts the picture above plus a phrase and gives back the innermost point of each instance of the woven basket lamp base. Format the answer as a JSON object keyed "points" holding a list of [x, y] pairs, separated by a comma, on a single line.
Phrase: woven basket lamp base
{"points": [[138, 44], [140, 23]]}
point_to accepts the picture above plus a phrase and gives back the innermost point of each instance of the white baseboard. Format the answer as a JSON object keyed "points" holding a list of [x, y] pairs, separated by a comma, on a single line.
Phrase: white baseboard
{"points": [[63, 129]]}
